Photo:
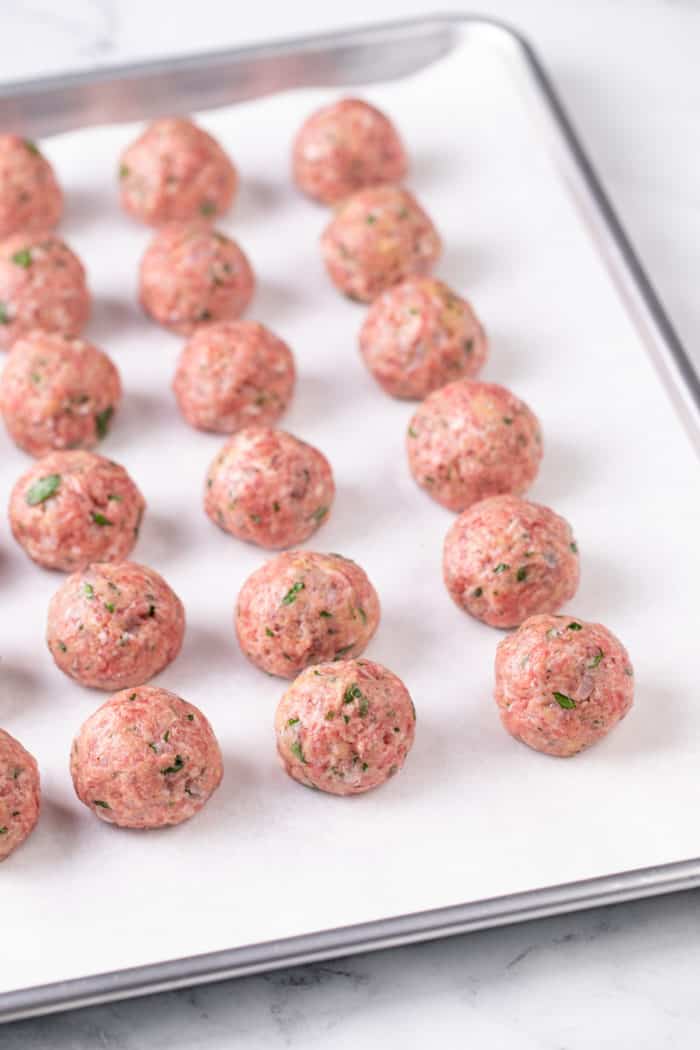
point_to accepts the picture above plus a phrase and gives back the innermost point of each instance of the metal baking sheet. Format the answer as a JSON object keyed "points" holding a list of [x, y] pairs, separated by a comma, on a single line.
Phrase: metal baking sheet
{"points": [[477, 830]]}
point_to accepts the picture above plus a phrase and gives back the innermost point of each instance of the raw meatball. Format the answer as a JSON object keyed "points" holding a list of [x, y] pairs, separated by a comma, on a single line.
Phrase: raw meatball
{"points": [[30, 198], [269, 488], [175, 171], [377, 238], [471, 440], [192, 274], [19, 794], [73, 508], [233, 374], [57, 392], [506, 559], [145, 759], [343, 148], [562, 683], [419, 335], [345, 727], [42, 285], [114, 624], [302, 608]]}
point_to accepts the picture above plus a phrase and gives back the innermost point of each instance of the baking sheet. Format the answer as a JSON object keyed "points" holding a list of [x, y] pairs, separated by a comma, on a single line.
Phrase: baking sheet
{"points": [[473, 815]]}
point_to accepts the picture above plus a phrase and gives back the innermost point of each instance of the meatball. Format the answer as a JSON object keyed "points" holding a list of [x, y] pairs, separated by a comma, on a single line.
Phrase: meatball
{"points": [[73, 508], [269, 488], [418, 336], [470, 440], [145, 759], [114, 624], [377, 238], [57, 392], [191, 274], [506, 559], [345, 727], [30, 197], [562, 683], [302, 608], [345, 147], [233, 374], [175, 171], [19, 794], [42, 285]]}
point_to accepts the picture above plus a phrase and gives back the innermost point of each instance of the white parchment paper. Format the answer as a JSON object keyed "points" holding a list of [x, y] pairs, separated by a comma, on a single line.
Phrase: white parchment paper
{"points": [[473, 814]]}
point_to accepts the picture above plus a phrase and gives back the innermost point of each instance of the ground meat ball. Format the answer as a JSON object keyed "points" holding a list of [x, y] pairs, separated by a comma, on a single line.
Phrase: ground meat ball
{"points": [[175, 171], [471, 440], [302, 608], [377, 238], [73, 508], [506, 559], [562, 683], [345, 727], [30, 197], [42, 285], [192, 274], [419, 335], [19, 794], [269, 488], [57, 392], [145, 759], [343, 148], [114, 624], [233, 374]]}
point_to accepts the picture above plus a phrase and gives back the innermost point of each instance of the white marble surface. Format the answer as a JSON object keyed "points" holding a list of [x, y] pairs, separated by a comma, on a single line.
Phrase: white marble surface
{"points": [[618, 977]]}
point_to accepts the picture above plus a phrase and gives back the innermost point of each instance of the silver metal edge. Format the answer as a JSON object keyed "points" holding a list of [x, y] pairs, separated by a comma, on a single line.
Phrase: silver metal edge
{"points": [[678, 373]]}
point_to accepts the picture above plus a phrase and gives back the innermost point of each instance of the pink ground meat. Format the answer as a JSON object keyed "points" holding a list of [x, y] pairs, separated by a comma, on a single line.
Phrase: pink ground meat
{"points": [[345, 147], [30, 197], [114, 624], [20, 798], [303, 608], [73, 508], [506, 559], [57, 393], [562, 684], [191, 275], [345, 727], [146, 759], [420, 335], [376, 238], [470, 440], [42, 285], [234, 374], [269, 488], [175, 171]]}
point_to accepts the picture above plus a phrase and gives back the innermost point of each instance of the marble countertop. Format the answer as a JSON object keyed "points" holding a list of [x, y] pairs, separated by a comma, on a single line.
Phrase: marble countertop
{"points": [[617, 977]]}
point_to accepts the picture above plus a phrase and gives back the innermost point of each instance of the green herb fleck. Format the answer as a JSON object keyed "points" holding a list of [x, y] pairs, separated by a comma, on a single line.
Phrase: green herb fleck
{"points": [[501, 567], [346, 719], [23, 258], [100, 519], [153, 747], [573, 626], [330, 715], [507, 420], [343, 651], [99, 802], [353, 692], [207, 208], [295, 748], [292, 721], [468, 346], [151, 611], [276, 507], [132, 696], [325, 614], [255, 518], [3, 830], [365, 767], [564, 701], [521, 574], [63, 647], [320, 513], [113, 496], [477, 592], [412, 433], [42, 489], [109, 606], [123, 171], [629, 672], [573, 547], [31, 146], [166, 735], [269, 633], [363, 614], [176, 766], [190, 718], [363, 707], [596, 659], [4, 316], [371, 219], [88, 590], [102, 420], [291, 595]]}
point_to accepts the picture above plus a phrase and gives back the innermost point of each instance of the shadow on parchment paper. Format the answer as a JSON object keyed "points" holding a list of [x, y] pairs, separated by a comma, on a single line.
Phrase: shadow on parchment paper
{"points": [[257, 201], [18, 690], [162, 538], [86, 206], [211, 648], [114, 316]]}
